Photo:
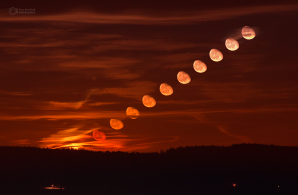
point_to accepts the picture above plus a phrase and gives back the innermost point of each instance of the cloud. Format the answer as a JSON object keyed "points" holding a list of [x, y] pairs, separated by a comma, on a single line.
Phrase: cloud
{"points": [[133, 89], [21, 142], [78, 138], [242, 138], [15, 93], [228, 91], [64, 136], [56, 115], [169, 17]]}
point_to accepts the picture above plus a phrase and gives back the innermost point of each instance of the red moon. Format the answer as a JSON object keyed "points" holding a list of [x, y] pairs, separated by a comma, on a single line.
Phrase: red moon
{"points": [[98, 135], [166, 89], [132, 112], [148, 101], [248, 33], [116, 124], [183, 77], [199, 66], [215, 55], [232, 44]]}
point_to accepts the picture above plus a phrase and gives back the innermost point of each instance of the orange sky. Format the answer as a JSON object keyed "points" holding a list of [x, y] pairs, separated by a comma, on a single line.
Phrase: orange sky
{"points": [[66, 70]]}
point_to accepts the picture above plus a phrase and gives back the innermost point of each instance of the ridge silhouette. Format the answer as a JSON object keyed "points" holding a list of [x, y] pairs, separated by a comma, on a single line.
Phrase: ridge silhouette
{"points": [[254, 168]]}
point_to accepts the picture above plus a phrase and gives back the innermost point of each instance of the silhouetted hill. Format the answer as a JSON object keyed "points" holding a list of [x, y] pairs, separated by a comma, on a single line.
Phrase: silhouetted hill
{"points": [[254, 168]]}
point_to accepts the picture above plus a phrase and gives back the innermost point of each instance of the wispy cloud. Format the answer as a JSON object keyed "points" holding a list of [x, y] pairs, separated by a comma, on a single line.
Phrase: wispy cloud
{"points": [[242, 138], [22, 141], [82, 139], [170, 18], [133, 89], [15, 93]]}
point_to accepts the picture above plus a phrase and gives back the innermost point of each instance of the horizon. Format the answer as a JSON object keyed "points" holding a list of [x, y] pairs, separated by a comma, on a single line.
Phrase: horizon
{"points": [[161, 151]]}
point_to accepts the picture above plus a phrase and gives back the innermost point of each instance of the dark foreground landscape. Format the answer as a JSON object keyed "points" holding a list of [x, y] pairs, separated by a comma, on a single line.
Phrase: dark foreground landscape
{"points": [[238, 169]]}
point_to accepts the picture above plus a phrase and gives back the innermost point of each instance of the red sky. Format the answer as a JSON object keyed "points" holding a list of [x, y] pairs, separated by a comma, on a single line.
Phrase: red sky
{"points": [[69, 68]]}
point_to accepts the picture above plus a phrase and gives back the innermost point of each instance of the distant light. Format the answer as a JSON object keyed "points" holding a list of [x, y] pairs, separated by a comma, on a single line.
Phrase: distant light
{"points": [[234, 184], [278, 186]]}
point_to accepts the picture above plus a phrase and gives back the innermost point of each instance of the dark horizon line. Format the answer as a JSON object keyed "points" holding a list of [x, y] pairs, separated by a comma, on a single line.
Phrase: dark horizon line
{"points": [[161, 151]]}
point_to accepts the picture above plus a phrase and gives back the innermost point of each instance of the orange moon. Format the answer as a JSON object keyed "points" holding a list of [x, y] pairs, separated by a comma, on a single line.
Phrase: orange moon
{"points": [[183, 77], [166, 89], [116, 124], [148, 101], [199, 66], [215, 55], [232, 44], [132, 112], [248, 33], [98, 135]]}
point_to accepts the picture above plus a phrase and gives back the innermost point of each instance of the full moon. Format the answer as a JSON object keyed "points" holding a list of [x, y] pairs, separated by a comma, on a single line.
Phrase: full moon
{"points": [[215, 55], [148, 101], [132, 112], [248, 33], [116, 124], [166, 89], [199, 66], [232, 44], [98, 135], [183, 77]]}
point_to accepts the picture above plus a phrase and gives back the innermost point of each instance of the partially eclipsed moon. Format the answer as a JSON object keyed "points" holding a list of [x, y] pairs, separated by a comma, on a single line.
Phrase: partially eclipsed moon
{"points": [[132, 112], [183, 77], [199, 66], [215, 55], [98, 135], [248, 33], [116, 124], [232, 44], [166, 89], [148, 101]]}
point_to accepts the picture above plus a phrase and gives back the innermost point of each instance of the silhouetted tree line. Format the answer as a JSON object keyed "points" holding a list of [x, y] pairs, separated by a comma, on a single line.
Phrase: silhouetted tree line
{"points": [[254, 168]]}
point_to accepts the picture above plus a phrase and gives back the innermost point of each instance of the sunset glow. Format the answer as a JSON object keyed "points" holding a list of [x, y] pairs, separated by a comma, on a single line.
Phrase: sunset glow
{"points": [[74, 76]]}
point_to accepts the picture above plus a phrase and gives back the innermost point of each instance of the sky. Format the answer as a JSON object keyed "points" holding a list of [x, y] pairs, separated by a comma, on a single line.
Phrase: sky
{"points": [[67, 68]]}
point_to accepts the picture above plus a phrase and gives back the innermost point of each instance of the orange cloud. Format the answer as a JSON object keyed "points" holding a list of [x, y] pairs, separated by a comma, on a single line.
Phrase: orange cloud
{"points": [[82, 139], [69, 115]]}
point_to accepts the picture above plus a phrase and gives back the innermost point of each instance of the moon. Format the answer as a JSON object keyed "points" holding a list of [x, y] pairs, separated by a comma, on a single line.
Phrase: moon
{"points": [[132, 112], [248, 33], [215, 55], [232, 44], [98, 135], [148, 101], [183, 77], [166, 89], [116, 124], [199, 66]]}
